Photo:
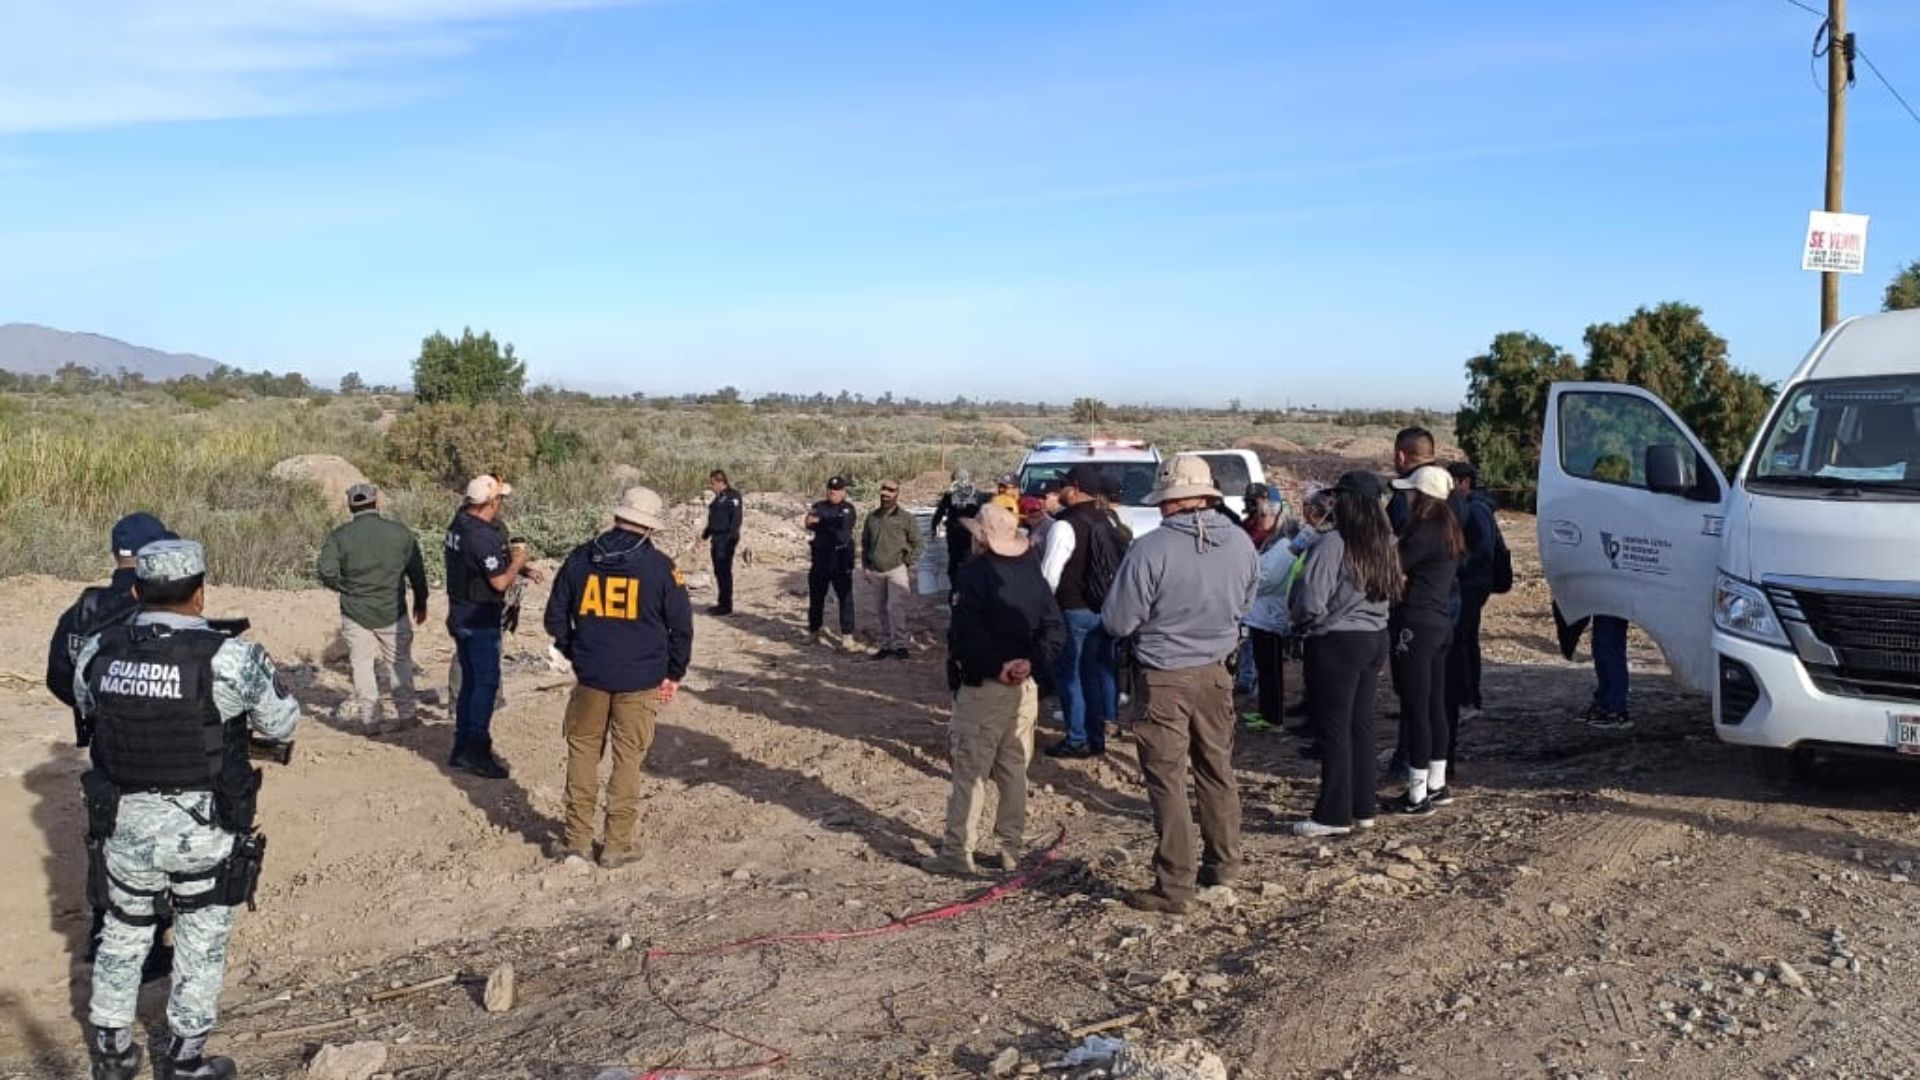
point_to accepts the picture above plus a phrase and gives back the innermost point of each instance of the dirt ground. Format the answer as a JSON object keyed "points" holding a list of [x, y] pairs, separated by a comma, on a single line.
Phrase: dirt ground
{"points": [[1595, 905]]}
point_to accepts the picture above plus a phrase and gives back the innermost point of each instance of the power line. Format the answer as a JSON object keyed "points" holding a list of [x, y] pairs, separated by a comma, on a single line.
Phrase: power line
{"points": [[1897, 96], [1808, 9]]}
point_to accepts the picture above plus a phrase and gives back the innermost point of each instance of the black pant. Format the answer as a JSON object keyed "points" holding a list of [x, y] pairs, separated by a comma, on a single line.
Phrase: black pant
{"points": [[723, 552], [1343, 672], [835, 570], [1420, 653], [1463, 660], [1269, 668]]}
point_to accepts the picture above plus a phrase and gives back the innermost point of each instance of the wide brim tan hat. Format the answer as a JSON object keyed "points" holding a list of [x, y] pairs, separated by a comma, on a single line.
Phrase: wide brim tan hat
{"points": [[1185, 477], [997, 528], [1433, 481], [643, 507]]}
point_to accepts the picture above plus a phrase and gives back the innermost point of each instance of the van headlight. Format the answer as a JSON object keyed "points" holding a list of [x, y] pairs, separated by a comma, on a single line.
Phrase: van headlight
{"points": [[1744, 611]]}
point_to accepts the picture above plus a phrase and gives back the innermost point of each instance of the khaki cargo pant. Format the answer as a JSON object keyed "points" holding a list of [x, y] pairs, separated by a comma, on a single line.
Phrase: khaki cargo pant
{"points": [[390, 647], [1188, 722], [596, 719], [991, 738], [892, 600]]}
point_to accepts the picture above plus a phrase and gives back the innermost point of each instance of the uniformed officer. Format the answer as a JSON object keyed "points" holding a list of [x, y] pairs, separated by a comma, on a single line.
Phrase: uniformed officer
{"points": [[619, 612], [723, 537], [959, 502], [171, 802], [99, 607], [480, 570], [831, 523]]}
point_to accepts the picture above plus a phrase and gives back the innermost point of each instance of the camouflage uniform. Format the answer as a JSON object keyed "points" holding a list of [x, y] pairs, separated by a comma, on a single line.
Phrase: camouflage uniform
{"points": [[160, 838]]}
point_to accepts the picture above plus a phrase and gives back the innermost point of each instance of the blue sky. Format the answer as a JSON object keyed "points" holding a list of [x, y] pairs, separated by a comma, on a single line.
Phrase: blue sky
{"points": [[1312, 202]]}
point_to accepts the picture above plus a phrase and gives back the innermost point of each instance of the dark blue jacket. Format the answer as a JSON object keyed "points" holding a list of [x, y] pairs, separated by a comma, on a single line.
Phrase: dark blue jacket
{"points": [[1474, 511], [619, 611]]}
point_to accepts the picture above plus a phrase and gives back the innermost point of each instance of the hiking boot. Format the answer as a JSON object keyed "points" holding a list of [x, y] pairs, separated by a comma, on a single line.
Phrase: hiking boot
{"points": [[1214, 876], [185, 1058], [1069, 750], [1312, 829], [114, 1055], [614, 860], [478, 761], [1001, 861], [949, 865], [1607, 720], [1404, 805], [560, 851], [1157, 902]]}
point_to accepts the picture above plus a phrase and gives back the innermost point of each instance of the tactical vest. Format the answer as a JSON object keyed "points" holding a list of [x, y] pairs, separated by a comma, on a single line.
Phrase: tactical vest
{"points": [[100, 607], [156, 726], [466, 582]]}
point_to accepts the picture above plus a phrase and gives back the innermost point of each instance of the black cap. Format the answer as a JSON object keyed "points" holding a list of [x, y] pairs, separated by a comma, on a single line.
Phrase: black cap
{"points": [[1463, 470], [837, 483], [1364, 484], [1258, 491], [135, 531], [1087, 479]]}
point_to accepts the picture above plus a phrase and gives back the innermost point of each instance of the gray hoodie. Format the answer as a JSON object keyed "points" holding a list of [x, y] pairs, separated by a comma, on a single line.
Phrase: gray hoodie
{"points": [[1183, 589], [1326, 600]]}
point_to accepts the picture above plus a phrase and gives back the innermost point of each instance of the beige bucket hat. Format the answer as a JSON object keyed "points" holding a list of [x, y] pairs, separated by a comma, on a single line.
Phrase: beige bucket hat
{"points": [[643, 507], [1185, 477]]}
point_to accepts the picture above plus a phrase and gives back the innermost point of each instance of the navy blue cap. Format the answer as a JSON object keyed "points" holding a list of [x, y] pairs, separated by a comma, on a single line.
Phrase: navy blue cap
{"points": [[135, 531], [1364, 484]]}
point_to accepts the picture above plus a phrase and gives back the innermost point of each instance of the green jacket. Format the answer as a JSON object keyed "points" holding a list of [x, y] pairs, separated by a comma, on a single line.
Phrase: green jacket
{"points": [[369, 561], [890, 541]]}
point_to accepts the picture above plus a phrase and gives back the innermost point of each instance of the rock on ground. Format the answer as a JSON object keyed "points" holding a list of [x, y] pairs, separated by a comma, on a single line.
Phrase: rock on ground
{"points": [[348, 1061], [329, 474], [500, 989], [1188, 1060]]}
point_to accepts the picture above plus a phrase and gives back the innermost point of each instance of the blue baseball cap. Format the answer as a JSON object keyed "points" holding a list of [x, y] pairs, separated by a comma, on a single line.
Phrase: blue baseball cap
{"points": [[135, 531]]}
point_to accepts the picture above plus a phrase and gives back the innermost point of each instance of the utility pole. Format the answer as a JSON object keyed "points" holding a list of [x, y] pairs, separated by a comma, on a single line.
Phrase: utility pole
{"points": [[1839, 74]]}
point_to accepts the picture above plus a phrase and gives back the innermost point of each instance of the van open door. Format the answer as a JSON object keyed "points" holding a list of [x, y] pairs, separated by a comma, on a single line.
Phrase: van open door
{"points": [[1631, 510], [1233, 470]]}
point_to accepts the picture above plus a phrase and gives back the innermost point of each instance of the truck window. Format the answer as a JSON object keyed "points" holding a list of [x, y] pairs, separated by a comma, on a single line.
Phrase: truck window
{"points": [[1604, 437], [1863, 432], [1229, 473]]}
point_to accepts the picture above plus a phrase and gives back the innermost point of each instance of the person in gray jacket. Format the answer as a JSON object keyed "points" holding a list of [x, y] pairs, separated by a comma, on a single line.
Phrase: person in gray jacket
{"points": [[1339, 606], [1181, 593]]}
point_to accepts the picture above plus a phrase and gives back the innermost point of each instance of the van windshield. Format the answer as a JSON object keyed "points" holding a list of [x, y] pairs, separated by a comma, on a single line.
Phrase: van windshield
{"points": [[1843, 438], [1136, 477]]}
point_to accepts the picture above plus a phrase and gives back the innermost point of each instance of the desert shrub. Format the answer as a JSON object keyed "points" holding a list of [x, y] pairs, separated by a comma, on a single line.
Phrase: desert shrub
{"points": [[449, 444]]}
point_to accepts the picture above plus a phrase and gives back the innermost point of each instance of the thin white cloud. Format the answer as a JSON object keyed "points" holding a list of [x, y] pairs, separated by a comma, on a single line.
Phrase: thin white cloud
{"points": [[77, 64]]}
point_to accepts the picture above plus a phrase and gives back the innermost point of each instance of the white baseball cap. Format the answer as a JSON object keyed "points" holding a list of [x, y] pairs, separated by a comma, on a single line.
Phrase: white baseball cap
{"points": [[482, 489], [1430, 480]]}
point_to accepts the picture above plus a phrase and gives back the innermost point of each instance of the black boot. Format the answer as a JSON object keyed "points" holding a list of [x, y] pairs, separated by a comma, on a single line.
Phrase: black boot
{"points": [[185, 1058], [115, 1057]]}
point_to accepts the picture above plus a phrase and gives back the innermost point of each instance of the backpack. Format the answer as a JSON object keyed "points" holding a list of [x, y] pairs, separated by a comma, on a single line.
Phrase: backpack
{"points": [[1105, 549], [1502, 561]]}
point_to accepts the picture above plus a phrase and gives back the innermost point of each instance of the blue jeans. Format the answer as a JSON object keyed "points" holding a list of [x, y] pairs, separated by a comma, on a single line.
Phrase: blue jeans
{"points": [[1089, 696], [1610, 663], [478, 649]]}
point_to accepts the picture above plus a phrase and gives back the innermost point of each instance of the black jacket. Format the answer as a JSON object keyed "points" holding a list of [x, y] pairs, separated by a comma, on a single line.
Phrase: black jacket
{"points": [[1475, 513], [833, 532], [723, 519], [619, 611], [1002, 611], [1431, 571], [98, 608]]}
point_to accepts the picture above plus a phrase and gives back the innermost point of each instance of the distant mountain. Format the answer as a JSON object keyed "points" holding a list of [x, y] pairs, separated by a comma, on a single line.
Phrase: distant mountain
{"points": [[42, 350]]}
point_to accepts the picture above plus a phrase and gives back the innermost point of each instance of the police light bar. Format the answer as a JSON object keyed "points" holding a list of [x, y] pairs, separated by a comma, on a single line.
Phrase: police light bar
{"points": [[1060, 443]]}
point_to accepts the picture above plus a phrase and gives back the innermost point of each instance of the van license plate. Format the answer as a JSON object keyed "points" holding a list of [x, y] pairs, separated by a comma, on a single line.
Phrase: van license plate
{"points": [[1906, 733]]}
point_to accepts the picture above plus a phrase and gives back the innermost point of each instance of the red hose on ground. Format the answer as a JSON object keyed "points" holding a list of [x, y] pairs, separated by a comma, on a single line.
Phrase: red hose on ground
{"points": [[780, 1056]]}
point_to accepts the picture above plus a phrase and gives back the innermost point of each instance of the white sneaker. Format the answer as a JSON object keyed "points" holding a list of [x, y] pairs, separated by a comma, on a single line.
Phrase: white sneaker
{"points": [[1365, 823], [1311, 828]]}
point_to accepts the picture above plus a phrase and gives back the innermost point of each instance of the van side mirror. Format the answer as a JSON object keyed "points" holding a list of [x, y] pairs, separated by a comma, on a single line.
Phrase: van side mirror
{"points": [[1667, 470]]}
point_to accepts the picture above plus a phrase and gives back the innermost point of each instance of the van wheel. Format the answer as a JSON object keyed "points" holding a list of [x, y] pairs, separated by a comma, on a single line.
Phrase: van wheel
{"points": [[1783, 766]]}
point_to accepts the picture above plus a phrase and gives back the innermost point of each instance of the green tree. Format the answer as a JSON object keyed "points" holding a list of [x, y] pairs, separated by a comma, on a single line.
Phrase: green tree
{"points": [[1670, 350], [450, 443], [1903, 292], [469, 371], [1089, 410], [1506, 409], [351, 383]]}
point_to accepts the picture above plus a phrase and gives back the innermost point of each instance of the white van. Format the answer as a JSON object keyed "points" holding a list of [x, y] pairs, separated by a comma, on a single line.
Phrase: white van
{"points": [[1792, 593]]}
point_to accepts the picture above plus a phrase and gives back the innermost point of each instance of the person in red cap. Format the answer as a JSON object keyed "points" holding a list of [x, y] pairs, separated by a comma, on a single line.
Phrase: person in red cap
{"points": [[1035, 519]]}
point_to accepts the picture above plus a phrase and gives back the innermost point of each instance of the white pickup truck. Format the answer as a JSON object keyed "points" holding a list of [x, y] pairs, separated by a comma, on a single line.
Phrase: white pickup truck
{"points": [[1790, 591], [1136, 464]]}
